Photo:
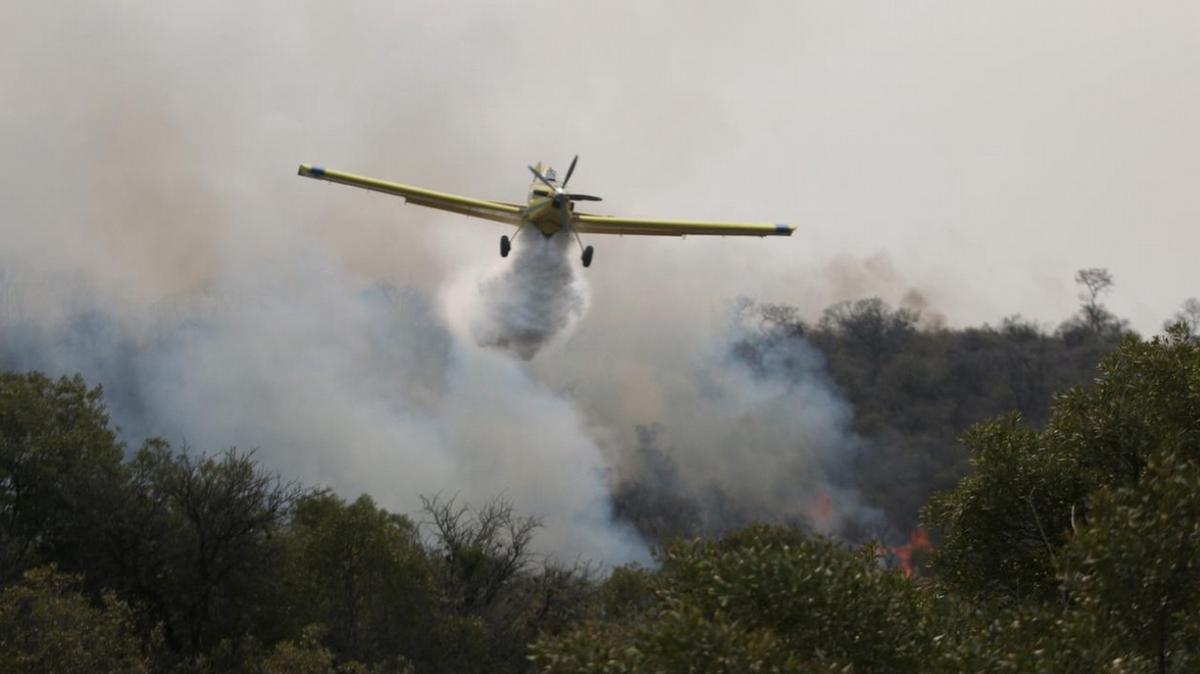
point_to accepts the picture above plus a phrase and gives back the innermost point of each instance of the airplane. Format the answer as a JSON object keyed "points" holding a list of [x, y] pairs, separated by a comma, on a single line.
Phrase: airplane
{"points": [[550, 208]]}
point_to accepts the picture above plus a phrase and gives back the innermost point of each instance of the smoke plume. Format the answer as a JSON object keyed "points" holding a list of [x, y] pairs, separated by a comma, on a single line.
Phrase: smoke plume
{"points": [[756, 434], [154, 235], [335, 380]]}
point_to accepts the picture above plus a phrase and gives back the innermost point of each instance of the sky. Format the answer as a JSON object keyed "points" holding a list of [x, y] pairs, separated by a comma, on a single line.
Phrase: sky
{"points": [[975, 153]]}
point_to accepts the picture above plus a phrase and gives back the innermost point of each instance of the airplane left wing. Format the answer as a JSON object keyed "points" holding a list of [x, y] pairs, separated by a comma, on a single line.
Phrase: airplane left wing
{"points": [[479, 208], [606, 224]]}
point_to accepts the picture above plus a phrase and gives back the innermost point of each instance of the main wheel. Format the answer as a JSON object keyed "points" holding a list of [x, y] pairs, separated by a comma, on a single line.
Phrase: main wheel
{"points": [[587, 256], [505, 246]]}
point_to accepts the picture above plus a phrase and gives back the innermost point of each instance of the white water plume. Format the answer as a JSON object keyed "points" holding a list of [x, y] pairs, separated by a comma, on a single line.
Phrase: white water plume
{"points": [[538, 297]]}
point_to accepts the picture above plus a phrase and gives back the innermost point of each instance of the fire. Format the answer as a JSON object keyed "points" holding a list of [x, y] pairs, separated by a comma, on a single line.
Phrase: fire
{"points": [[824, 507], [917, 542], [821, 515]]}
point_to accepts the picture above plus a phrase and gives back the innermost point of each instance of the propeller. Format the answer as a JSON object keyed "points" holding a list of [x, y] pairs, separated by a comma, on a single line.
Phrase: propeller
{"points": [[560, 192], [570, 170]]}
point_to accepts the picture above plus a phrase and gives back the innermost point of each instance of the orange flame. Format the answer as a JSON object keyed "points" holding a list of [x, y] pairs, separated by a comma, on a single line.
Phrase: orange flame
{"points": [[918, 541], [824, 507]]}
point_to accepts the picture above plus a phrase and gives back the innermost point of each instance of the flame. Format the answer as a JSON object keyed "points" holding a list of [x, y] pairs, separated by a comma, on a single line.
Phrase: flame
{"points": [[824, 507], [918, 542]]}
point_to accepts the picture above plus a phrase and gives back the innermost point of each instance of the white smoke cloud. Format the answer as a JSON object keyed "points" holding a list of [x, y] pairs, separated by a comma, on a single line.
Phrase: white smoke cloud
{"points": [[338, 381], [154, 236], [754, 431]]}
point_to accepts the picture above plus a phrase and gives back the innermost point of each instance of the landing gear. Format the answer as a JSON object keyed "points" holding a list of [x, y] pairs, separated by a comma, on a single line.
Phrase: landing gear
{"points": [[505, 246], [587, 250]]}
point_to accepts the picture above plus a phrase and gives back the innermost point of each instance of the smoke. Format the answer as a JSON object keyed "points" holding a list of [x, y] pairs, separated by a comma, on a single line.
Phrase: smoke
{"points": [[356, 342], [539, 297], [334, 380], [154, 236], [758, 435]]}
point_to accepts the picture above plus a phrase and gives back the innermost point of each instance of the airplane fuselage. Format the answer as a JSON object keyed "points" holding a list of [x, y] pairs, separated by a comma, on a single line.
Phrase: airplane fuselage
{"points": [[541, 211]]}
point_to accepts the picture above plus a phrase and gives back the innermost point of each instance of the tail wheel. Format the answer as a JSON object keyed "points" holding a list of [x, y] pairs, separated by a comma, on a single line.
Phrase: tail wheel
{"points": [[587, 256], [505, 246]]}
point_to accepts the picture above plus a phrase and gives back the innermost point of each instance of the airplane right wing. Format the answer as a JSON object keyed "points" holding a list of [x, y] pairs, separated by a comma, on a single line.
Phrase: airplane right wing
{"points": [[606, 224]]}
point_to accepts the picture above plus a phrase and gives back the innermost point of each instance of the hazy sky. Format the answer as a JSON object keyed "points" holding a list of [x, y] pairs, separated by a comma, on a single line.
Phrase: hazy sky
{"points": [[978, 153], [987, 149]]}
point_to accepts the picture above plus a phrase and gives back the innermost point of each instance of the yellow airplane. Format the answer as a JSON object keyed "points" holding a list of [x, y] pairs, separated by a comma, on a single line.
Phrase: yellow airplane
{"points": [[550, 208]]}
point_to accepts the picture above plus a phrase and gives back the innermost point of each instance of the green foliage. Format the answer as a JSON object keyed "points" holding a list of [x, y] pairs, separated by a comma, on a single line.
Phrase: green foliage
{"points": [[976, 636], [57, 458], [824, 601], [197, 541], [362, 572], [1004, 526], [485, 569], [763, 599], [1134, 568], [626, 593], [1073, 546], [681, 638], [306, 656], [47, 626], [914, 390]]}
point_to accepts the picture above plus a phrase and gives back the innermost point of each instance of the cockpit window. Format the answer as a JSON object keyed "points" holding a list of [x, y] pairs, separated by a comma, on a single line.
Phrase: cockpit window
{"points": [[551, 175]]}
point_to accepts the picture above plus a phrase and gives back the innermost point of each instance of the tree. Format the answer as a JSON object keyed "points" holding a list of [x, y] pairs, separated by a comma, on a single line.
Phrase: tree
{"points": [[197, 539], [870, 329], [483, 564], [1095, 281], [762, 599], [1134, 565], [482, 551], [1001, 527], [1004, 527], [58, 457], [1094, 319], [1188, 316], [48, 626], [362, 573]]}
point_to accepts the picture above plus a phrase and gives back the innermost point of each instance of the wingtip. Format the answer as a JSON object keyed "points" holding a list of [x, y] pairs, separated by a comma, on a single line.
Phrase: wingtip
{"points": [[783, 229], [310, 171]]}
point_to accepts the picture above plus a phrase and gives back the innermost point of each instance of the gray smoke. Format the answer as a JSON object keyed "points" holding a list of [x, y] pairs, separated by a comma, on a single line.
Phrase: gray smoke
{"points": [[336, 381], [154, 235], [533, 301], [756, 434]]}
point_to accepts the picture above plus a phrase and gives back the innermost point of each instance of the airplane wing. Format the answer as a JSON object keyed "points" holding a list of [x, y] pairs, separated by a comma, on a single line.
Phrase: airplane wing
{"points": [[480, 208], [606, 224]]}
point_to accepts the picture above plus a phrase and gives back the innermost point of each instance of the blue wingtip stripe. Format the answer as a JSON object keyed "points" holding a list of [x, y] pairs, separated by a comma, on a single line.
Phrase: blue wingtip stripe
{"points": [[783, 229], [317, 171]]}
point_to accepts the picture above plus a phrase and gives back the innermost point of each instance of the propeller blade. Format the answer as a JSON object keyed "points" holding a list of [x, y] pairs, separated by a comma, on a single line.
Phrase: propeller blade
{"points": [[566, 219], [542, 178], [570, 170], [584, 197]]}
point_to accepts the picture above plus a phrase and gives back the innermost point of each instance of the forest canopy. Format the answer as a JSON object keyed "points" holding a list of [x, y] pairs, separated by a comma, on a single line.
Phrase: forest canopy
{"points": [[1065, 532]]}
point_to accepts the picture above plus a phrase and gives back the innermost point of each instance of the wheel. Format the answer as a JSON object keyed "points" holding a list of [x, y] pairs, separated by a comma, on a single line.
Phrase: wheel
{"points": [[505, 246], [587, 256]]}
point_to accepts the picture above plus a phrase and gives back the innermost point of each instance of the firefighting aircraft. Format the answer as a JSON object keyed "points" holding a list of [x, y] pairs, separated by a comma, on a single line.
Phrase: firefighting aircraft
{"points": [[550, 208]]}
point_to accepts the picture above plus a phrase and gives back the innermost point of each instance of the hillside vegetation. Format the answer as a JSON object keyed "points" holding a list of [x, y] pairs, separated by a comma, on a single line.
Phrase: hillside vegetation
{"points": [[1066, 527]]}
